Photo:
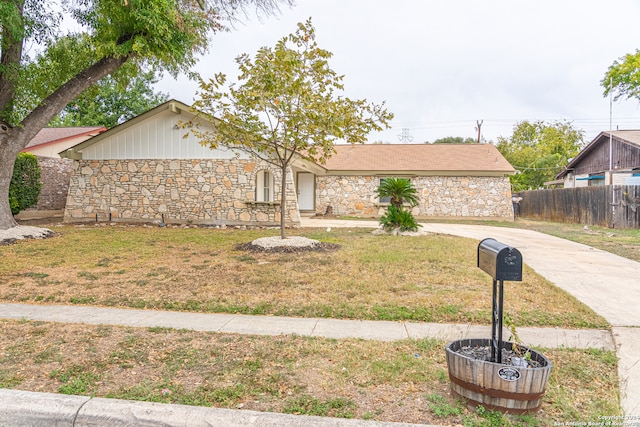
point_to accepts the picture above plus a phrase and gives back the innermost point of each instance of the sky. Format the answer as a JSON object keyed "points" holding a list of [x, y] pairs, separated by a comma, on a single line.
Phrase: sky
{"points": [[442, 67]]}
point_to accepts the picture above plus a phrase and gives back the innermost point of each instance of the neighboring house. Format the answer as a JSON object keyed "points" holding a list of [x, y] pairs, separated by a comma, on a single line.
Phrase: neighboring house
{"points": [[611, 158], [51, 141], [56, 171], [151, 169]]}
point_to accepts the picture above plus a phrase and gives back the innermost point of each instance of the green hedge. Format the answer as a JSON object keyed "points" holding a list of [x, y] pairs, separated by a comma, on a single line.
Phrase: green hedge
{"points": [[24, 189]]}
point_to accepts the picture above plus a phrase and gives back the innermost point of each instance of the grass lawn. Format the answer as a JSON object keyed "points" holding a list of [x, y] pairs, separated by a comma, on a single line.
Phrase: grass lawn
{"points": [[403, 381], [430, 278]]}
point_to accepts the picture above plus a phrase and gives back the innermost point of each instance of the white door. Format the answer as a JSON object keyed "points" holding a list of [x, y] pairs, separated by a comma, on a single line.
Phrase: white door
{"points": [[306, 193]]}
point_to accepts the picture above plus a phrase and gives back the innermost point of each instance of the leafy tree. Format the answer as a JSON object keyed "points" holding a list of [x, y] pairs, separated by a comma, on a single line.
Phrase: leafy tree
{"points": [[25, 185], [111, 102], [454, 140], [623, 77], [538, 151], [162, 35], [285, 106], [399, 191]]}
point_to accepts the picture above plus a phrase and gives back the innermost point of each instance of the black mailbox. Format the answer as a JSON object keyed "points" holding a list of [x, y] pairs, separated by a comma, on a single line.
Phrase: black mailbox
{"points": [[500, 261]]}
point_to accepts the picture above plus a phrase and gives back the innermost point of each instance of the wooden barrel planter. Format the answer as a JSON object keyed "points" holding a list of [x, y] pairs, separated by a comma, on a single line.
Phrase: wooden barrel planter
{"points": [[497, 386]]}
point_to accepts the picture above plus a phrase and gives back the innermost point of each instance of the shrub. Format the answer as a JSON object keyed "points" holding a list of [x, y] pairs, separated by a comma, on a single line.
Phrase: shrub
{"points": [[400, 191], [398, 218], [24, 189]]}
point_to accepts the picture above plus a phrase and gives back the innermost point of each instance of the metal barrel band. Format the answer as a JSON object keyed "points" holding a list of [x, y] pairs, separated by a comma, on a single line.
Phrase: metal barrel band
{"points": [[514, 411], [500, 394]]}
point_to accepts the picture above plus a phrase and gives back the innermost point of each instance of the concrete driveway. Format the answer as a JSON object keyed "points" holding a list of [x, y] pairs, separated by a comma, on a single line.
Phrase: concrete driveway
{"points": [[607, 283]]}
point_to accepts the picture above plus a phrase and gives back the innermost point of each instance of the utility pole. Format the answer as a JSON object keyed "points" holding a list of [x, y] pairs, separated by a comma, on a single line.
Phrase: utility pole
{"points": [[479, 127], [405, 137]]}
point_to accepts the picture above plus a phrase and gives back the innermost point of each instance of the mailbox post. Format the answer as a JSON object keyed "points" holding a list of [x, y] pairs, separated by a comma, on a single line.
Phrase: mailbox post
{"points": [[502, 263]]}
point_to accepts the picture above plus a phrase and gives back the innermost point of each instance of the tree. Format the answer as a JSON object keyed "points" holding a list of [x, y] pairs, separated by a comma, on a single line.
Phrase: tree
{"points": [[283, 107], [399, 191], [454, 140], [111, 102], [24, 189], [538, 151], [623, 77], [162, 35]]}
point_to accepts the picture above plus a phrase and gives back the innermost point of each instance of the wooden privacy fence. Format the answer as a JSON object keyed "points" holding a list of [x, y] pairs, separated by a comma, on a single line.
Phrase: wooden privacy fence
{"points": [[607, 206]]}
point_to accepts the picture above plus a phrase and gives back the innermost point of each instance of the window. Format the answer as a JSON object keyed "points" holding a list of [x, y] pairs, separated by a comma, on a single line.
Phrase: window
{"points": [[596, 180], [264, 186], [396, 186], [387, 199]]}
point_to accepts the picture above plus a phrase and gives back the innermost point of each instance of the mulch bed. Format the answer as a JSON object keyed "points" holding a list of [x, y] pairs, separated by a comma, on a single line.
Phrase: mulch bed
{"points": [[319, 247]]}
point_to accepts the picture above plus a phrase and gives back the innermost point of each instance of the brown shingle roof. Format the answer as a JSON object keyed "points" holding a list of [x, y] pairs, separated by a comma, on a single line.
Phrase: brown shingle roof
{"points": [[48, 135], [631, 136], [417, 158]]}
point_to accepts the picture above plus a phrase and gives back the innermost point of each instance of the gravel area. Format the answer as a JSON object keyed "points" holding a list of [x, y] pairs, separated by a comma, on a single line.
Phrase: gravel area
{"points": [[293, 241], [22, 232], [396, 232], [290, 244], [484, 353]]}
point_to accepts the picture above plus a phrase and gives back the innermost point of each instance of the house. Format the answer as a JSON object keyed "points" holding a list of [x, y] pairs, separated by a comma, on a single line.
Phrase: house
{"points": [[51, 141], [149, 169], [55, 171], [611, 158], [453, 180]]}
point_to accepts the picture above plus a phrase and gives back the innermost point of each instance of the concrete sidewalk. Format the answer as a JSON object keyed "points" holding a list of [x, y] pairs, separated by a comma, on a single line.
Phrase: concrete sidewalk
{"points": [[607, 283], [272, 325]]}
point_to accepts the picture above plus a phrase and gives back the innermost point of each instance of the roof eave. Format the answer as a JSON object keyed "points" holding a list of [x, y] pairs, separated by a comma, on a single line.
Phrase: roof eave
{"points": [[399, 173]]}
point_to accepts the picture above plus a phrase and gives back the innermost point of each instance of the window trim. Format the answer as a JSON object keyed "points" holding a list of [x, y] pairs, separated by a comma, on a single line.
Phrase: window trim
{"points": [[264, 186], [383, 201]]}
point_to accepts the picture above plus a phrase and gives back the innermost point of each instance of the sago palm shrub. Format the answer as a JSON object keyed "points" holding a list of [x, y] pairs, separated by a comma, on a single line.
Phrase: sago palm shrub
{"points": [[400, 192]]}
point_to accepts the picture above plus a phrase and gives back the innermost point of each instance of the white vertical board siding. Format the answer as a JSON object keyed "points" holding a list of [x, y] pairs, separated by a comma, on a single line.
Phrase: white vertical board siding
{"points": [[158, 137], [621, 178]]}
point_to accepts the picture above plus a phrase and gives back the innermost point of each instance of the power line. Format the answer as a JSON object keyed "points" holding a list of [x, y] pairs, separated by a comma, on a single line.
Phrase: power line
{"points": [[449, 123], [405, 137]]}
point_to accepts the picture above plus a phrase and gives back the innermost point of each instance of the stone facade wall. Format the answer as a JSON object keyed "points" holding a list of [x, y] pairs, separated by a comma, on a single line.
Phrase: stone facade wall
{"points": [[197, 191], [55, 183], [440, 196]]}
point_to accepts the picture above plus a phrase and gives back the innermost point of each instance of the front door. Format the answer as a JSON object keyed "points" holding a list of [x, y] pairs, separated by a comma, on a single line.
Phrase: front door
{"points": [[306, 191]]}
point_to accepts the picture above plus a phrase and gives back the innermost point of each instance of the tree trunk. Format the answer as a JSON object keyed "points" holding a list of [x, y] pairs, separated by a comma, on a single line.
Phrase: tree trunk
{"points": [[283, 202], [8, 153], [14, 139]]}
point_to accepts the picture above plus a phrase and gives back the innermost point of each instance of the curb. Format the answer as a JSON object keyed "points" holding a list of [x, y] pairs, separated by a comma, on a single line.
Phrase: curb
{"points": [[28, 409]]}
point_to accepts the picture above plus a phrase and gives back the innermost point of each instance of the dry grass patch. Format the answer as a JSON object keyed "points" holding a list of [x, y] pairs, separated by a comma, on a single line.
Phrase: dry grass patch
{"points": [[403, 381], [430, 278]]}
